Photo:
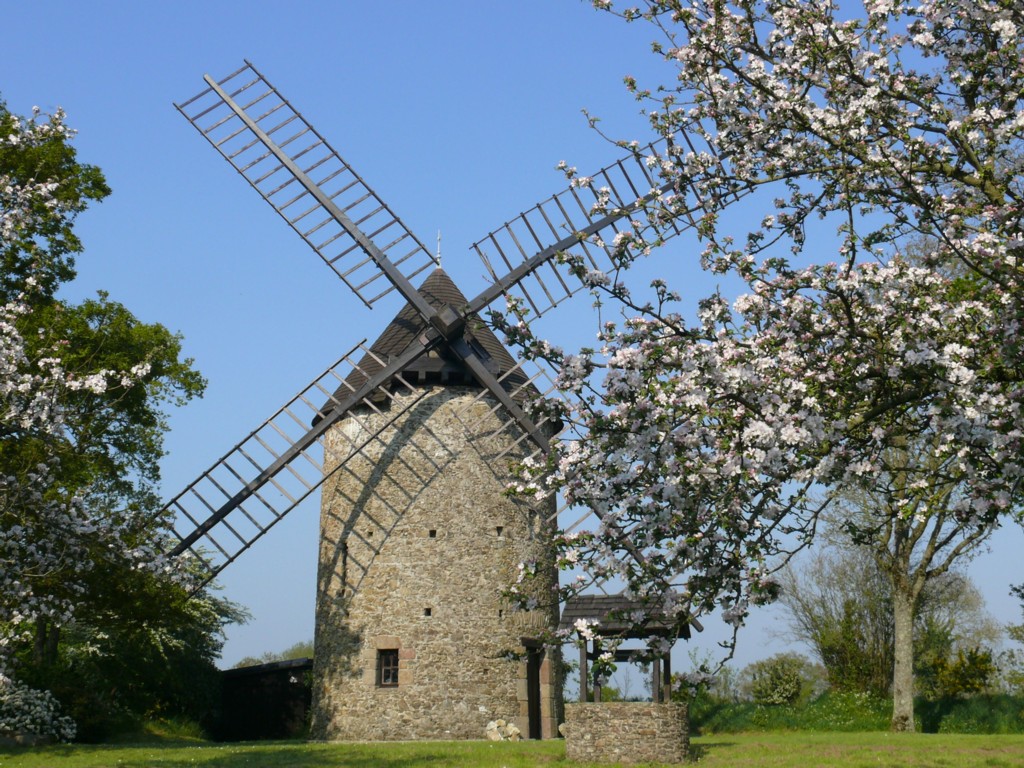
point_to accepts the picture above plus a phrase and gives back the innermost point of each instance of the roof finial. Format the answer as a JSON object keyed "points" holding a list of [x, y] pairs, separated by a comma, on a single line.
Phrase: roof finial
{"points": [[439, 248]]}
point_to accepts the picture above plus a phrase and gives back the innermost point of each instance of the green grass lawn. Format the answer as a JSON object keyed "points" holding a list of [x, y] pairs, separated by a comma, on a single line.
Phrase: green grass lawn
{"points": [[751, 750]]}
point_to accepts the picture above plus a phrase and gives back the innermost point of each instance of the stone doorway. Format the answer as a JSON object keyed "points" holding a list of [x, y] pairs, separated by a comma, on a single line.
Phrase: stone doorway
{"points": [[534, 658]]}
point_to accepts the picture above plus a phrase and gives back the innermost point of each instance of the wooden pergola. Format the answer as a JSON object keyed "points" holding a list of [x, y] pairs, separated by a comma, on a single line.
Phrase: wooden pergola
{"points": [[608, 616]]}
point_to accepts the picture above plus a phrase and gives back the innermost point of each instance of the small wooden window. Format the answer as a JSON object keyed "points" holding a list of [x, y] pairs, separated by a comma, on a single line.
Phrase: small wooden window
{"points": [[387, 667], [427, 611], [432, 533]]}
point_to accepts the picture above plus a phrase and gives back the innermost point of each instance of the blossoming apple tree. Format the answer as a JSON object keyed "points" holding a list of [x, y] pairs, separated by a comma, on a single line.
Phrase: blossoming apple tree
{"points": [[41, 537], [59, 417], [848, 134]]}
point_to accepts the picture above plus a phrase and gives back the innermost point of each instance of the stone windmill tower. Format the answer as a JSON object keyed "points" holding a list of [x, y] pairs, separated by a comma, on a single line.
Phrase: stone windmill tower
{"points": [[418, 539], [413, 436]]}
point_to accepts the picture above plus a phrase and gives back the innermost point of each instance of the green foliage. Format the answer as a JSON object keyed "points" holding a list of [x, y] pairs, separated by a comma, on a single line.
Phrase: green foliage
{"points": [[114, 439], [848, 712], [48, 249], [301, 650], [134, 645], [969, 673], [144, 650], [854, 660], [160, 730], [1011, 662], [777, 680], [829, 712], [1011, 671], [840, 603], [109, 453], [986, 713], [845, 711]]}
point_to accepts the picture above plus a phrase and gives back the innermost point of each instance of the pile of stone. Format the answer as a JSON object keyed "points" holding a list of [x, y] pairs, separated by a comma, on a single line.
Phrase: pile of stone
{"points": [[499, 730]]}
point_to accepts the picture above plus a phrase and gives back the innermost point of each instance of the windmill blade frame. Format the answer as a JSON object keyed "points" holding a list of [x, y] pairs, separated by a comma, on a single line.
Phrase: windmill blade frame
{"points": [[568, 220], [332, 224], [269, 456]]}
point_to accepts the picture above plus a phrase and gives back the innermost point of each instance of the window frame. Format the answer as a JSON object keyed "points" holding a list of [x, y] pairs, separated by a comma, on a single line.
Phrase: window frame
{"points": [[387, 668]]}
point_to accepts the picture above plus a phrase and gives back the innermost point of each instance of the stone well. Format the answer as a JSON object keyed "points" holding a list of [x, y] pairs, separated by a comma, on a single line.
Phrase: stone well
{"points": [[627, 732]]}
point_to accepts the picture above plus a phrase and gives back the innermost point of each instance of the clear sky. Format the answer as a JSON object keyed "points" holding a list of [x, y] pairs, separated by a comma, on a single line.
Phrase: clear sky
{"points": [[454, 111]]}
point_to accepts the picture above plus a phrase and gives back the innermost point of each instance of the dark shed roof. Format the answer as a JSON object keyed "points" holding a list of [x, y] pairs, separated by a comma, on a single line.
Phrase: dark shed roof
{"points": [[611, 613]]}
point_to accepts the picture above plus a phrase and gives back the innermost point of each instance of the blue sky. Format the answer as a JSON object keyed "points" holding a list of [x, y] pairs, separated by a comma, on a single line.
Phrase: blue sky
{"points": [[455, 112]]}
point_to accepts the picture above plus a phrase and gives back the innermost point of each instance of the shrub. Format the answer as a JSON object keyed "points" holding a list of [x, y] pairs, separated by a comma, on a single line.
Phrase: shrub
{"points": [[777, 680], [997, 713], [29, 711], [969, 673], [844, 711], [832, 711]]}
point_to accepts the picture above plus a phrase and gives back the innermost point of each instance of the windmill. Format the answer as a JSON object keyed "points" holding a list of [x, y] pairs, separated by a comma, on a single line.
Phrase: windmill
{"points": [[412, 433]]}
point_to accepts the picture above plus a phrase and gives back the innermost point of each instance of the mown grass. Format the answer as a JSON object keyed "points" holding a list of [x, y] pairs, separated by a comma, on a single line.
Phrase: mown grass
{"points": [[290, 755], [858, 750], [749, 750]]}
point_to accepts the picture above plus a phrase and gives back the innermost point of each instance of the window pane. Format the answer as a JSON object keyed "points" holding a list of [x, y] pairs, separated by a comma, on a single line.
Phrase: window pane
{"points": [[387, 667]]}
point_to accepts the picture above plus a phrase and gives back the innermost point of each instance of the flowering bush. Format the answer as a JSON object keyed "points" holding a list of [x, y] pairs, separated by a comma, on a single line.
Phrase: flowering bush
{"points": [[777, 680], [24, 710]]}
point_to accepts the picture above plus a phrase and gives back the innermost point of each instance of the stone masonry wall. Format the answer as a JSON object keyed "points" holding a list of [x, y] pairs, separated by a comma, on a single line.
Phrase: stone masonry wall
{"points": [[627, 732], [418, 541]]}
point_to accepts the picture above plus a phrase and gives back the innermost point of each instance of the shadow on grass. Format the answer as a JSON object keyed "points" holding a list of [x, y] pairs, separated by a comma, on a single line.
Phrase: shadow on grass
{"points": [[279, 755]]}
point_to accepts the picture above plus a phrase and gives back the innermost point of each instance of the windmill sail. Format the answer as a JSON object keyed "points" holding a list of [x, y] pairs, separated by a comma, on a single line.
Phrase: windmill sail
{"points": [[328, 204], [252, 487], [300, 175], [521, 255]]}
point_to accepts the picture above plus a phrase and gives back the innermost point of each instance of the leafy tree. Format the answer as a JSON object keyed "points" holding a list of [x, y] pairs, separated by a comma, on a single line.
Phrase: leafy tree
{"points": [[145, 649], [115, 438], [910, 522], [1011, 661], [840, 603], [968, 673], [108, 451], [713, 447], [82, 392], [300, 650], [36, 154]]}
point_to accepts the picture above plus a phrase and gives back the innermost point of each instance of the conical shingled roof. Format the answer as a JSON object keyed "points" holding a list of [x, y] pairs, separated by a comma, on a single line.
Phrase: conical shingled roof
{"points": [[439, 290]]}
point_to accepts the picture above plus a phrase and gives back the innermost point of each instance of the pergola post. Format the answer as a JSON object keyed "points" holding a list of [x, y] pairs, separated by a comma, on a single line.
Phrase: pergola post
{"points": [[667, 679], [584, 673], [656, 679]]}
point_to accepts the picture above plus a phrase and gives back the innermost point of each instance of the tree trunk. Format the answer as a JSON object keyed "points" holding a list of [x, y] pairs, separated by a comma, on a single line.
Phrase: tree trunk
{"points": [[903, 667], [47, 639]]}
